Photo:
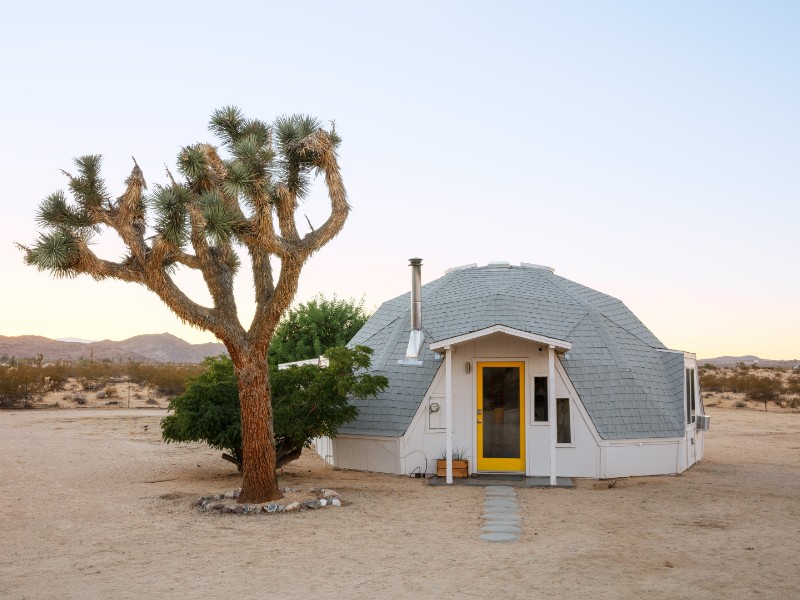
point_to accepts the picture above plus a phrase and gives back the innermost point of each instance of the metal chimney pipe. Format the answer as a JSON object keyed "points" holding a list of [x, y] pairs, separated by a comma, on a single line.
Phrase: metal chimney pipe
{"points": [[416, 293]]}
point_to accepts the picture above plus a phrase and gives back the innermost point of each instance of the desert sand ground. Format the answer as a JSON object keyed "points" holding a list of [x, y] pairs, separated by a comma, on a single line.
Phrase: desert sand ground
{"points": [[96, 506]]}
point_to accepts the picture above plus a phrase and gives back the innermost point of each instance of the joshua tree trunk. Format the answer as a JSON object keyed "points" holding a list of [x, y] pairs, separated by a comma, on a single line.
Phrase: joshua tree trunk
{"points": [[258, 437], [247, 200]]}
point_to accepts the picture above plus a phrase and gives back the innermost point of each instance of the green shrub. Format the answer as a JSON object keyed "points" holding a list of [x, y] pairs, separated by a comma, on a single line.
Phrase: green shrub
{"points": [[307, 402]]}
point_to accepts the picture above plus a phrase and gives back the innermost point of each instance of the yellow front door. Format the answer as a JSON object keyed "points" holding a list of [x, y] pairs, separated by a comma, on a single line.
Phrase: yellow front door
{"points": [[501, 416]]}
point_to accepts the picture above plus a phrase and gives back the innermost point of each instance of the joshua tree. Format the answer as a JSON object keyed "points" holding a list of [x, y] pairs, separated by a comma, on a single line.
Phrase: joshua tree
{"points": [[247, 199]]}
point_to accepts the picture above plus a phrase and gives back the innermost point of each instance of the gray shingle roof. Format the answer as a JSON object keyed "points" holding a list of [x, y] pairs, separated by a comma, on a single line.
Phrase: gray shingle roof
{"points": [[629, 385]]}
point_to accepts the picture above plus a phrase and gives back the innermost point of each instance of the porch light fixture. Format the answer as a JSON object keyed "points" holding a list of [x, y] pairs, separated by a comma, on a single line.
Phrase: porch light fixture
{"points": [[435, 407], [467, 367]]}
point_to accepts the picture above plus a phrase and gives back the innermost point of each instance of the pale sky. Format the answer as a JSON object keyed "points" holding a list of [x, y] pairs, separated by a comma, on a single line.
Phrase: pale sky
{"points": [[648, 150]]}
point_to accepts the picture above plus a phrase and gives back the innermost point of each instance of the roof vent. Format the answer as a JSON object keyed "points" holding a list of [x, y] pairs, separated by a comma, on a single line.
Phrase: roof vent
{"points": [[533, 266], [500, 264]]}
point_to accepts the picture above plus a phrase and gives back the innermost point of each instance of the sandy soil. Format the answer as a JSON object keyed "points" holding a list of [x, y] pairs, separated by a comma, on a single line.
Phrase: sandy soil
{"points": [[95, 506]]}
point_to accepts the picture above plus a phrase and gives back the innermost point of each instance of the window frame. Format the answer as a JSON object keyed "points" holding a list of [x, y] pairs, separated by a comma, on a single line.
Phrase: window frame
{"points": [[690, 396], [534, 420], [570, 428]]}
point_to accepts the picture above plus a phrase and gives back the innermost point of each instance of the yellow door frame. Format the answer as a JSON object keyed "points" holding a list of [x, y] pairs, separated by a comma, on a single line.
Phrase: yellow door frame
{"points": [[500, 464]]}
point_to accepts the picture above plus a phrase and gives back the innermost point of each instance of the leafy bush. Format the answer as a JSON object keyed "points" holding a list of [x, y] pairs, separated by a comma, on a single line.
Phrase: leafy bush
{"points": [[310, 329], [307, 401]]}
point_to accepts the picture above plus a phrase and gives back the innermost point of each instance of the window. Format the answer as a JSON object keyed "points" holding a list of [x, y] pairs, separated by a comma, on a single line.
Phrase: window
{"points": [[563, 430], [690, 418], [540, 399]]}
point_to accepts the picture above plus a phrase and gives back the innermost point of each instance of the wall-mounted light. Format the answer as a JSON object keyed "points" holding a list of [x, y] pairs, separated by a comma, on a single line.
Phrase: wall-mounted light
{"points": [[434, 408], [467, 367]]}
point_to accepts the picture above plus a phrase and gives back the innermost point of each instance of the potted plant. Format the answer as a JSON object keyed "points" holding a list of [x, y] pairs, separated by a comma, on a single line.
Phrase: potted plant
{"points": [[460, 463]]}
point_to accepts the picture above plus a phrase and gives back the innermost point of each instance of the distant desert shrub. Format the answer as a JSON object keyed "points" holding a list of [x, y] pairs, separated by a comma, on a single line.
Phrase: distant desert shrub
{"points": [[740, 404], [763, 387], [78, 399], [89, 385], [151, 401], [111, 392], [21, 386], [169, 379]]}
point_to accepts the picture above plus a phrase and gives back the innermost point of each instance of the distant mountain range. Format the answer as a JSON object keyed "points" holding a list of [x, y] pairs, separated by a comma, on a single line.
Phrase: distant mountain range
{"points": [[161, 347], [731, 361]]}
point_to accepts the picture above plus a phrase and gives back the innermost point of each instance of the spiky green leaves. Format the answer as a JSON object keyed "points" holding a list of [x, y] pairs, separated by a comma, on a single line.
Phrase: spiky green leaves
{"points": [[299, 157], [172, 215], [221, 222], [193, 163], [57, 252], [229, 124], [88, 188], [55, 212]]}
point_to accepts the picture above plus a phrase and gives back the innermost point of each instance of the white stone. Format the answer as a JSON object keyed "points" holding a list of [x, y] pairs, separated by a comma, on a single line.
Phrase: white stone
{"points": [[336, 502], [323, 502]]}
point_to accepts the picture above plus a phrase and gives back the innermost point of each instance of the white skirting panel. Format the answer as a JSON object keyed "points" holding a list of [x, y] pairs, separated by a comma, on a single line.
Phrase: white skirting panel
{"points": [[362, 453]]}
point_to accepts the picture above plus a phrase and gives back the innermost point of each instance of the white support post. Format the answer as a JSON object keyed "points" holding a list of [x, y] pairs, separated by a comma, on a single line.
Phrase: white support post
{"points": [[551, 410], [448, 405]]}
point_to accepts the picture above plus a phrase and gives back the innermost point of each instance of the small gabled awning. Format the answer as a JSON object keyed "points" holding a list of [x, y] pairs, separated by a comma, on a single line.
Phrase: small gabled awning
{"points": [[559, 345]]}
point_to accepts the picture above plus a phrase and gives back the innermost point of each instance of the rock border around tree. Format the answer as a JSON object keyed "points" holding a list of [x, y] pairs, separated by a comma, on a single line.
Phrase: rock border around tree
{"points": [[225, 503]]}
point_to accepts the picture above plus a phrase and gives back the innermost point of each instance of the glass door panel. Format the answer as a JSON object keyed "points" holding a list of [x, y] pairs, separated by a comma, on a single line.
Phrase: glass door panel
{"points": [[501, 416]]}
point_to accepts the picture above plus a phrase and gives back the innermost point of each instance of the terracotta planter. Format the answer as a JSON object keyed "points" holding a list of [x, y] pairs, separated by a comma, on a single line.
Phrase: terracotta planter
{"points": [[460, 468]]}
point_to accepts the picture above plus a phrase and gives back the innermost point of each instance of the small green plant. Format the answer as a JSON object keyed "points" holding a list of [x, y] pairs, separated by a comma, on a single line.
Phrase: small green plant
{"points": [[458, 453]]}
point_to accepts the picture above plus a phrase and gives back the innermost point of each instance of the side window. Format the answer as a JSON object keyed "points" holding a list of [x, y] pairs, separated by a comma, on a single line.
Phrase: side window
{"points": [[563, 429], [540, 399], [690, 397]]}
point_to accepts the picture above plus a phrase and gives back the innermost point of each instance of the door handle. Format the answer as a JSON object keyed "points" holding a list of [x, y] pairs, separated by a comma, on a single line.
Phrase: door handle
{"points": [[479, 422], [480, 412]]}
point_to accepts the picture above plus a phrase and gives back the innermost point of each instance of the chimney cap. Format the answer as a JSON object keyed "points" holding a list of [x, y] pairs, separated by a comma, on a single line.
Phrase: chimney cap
{"points": [[414, 262]]}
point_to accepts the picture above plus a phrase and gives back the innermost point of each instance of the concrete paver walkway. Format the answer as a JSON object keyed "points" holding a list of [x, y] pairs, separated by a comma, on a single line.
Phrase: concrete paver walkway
{"points": [[500, 516]]}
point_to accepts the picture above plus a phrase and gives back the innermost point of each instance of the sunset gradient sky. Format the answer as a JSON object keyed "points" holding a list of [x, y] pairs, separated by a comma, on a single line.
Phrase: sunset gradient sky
{"points": [[648, 150]]}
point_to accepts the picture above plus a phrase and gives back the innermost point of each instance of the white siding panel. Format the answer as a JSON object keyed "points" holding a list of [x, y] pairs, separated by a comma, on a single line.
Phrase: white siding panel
{"points": [[367, 454], [582, 457], [539, 448], [324, 447], [639, 458]]}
